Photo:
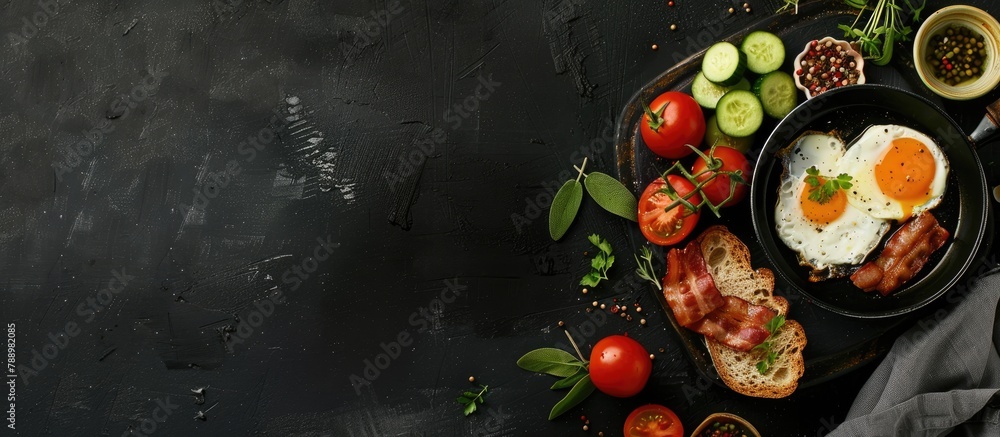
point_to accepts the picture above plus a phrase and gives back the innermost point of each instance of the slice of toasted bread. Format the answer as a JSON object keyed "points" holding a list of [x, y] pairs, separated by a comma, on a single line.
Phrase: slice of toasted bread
{"points": [[728, 261]]}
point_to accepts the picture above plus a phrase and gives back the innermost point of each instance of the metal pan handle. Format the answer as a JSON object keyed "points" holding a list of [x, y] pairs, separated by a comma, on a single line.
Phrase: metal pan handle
{"points": [[988, 127]]}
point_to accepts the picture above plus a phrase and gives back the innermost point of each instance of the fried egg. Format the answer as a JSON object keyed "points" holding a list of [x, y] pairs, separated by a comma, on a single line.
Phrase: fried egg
{"points": [[897, 172], [831, 236]]}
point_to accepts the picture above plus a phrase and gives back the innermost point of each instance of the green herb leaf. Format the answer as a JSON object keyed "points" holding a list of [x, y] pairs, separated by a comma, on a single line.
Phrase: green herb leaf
{"points": [[552, 361], [591, 280], [594, 239], [569, 381], [645, 269], [884, 27], [823, 192], [769, 355], [469, 400], [565, 205], [611, 195], [601, 262], [605, 247], [580, 391]]}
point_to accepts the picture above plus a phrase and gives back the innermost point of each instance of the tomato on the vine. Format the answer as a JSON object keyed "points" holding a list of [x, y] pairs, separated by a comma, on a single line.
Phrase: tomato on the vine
{"points": [[671, 122], [717, 190], [663, 227], [653, 421], [619, 366]]}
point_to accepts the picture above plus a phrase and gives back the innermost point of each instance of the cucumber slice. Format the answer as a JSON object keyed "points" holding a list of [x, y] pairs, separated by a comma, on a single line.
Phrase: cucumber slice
{"points": [[707, 94], [724, 64], [740, 113], [714, 136], [764, 50], [777, 93]]}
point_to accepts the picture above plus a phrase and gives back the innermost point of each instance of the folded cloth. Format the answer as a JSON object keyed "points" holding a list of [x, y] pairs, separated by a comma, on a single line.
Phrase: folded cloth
{"points": [[942, 377]]}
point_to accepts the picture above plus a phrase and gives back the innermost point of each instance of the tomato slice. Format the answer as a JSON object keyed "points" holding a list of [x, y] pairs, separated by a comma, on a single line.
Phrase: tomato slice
{"points": [[653, 421], [663, 227]]}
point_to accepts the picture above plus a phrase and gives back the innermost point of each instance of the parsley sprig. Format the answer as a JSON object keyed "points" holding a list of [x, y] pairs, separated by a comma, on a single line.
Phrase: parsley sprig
{"points": [[820, 191], [469, 399], [769, 355], [600, 264]]}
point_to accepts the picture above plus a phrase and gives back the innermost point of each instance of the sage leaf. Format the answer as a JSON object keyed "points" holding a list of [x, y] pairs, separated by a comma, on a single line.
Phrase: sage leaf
{"points": [[565, 205], [552, 361], [569, 381], [577, 394], [469, 409], [612, 195]]}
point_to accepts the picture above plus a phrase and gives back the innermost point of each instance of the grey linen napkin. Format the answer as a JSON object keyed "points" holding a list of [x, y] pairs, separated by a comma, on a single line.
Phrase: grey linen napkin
{"points": [[941, 376]]}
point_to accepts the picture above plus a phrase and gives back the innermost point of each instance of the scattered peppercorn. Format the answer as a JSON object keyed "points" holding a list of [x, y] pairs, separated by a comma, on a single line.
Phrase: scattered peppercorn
{"points": [[670, 3], [585, 290], [472, 379], [561, 323], [673, 27], [655, 47], [732, 10]]}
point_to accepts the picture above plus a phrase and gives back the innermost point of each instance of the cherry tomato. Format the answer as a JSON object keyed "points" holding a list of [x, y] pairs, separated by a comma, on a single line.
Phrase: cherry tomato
{"points": [[718, 189], [619, 366], [653, 421], [673, 121], [663, 227]]}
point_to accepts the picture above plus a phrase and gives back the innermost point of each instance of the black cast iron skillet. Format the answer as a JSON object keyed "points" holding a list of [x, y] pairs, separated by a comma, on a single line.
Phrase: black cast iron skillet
{"points": [[963, 210]]}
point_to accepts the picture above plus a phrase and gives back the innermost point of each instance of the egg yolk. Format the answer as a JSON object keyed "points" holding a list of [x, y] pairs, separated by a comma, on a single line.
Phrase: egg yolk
{"points": [[822, 213], [905, 173]]}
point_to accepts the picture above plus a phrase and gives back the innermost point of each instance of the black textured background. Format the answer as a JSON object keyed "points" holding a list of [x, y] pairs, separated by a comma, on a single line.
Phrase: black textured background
{"points": [[339, 104]]}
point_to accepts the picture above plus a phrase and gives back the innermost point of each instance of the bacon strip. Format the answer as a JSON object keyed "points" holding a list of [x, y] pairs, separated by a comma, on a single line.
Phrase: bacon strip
{"points": [[688, 287], [737, 324], [698, 305], [904, 255]]}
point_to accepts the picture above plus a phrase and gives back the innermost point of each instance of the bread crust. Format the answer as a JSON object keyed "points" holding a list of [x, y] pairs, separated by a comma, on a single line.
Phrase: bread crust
{"points": [[728, 260]]}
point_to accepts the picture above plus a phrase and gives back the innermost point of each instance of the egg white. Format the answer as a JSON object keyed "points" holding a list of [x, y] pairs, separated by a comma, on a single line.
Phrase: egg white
{"points": [[859, 162], [843, 242]]}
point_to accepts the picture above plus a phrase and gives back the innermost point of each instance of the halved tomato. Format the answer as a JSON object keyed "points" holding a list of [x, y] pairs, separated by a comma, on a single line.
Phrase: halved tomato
{"points": [[653, 421], [663, 227]]}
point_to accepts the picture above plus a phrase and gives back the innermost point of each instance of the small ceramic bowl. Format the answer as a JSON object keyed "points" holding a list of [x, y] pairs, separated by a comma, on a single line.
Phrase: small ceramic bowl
{"points": [[976, 20], [858, 60], [725, 418]]}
